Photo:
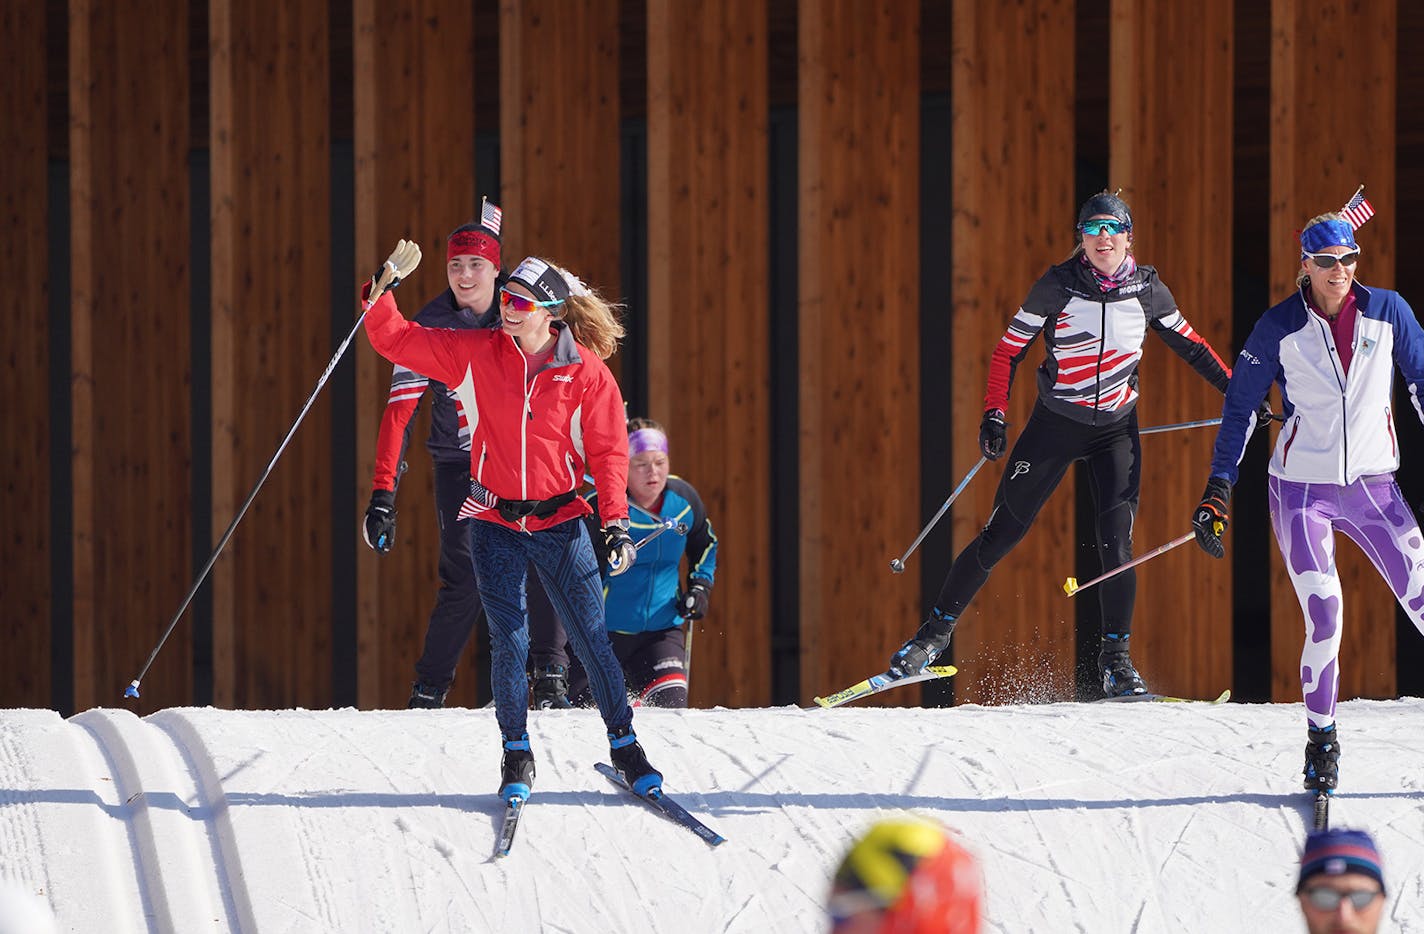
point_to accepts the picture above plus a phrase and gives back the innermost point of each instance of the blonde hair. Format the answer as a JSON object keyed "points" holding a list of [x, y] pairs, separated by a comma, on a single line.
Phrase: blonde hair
{"points": [[592, 318], [1302, 276]]}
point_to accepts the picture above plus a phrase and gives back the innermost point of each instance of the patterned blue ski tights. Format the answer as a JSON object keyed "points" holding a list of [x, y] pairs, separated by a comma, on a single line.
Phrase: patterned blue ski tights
{"points": [[563, 557]]}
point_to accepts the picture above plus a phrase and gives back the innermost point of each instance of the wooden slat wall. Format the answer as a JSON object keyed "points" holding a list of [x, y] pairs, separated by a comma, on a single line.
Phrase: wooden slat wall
{"points": [[858, 147], [25, 367], [415, 167], [1315, 166], [128, 95], [1173, 159], [559, 144], [708, 362], [1013, 218], [271, 339]]}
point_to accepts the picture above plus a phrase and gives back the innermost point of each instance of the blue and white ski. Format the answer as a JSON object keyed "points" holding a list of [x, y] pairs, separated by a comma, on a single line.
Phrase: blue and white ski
{"points": [[513, 808], [883, 682], [664, 806]]}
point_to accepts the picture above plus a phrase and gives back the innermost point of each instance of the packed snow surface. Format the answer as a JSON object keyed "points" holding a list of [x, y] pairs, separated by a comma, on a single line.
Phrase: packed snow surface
{"points": [[1085, 817]]}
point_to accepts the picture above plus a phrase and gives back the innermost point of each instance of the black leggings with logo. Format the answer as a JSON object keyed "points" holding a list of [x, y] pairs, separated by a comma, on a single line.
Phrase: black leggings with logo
{"points": [[1048, 444]]}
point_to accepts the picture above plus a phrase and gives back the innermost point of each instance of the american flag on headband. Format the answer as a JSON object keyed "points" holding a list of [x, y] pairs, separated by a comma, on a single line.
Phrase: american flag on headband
{"points": [[490, 216], [1358, 210]]}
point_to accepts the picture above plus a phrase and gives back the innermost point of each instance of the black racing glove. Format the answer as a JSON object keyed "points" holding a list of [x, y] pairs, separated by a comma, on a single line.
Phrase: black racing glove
{"points": [[379, 529], [1264, 415], [1212, 517], [693, 604], [993, 434], [618, 549]]}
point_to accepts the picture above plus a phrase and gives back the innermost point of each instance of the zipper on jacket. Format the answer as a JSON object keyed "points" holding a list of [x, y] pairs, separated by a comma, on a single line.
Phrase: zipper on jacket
{"points": [[1344, 408], [1102, 348]]}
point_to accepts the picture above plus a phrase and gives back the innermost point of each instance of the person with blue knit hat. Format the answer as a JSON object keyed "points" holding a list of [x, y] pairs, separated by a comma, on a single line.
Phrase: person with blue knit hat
{"points": [[1341, 887], [1333, 347]]}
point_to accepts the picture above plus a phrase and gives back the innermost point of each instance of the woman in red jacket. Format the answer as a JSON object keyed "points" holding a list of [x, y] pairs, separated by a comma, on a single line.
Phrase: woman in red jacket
{"points": [[543, 409]]}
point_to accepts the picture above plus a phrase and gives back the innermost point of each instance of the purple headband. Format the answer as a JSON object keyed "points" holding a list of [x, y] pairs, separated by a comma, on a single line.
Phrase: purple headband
{"points": [[647, 439]]}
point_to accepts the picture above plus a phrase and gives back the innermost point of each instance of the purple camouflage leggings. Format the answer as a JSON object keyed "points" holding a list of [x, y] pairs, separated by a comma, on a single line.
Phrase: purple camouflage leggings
{"points": [[1373, 513]]}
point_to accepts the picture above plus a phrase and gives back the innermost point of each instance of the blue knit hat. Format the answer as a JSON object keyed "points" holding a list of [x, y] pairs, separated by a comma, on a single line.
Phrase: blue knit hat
{"points": [[1337, 852], [1334, 231]]}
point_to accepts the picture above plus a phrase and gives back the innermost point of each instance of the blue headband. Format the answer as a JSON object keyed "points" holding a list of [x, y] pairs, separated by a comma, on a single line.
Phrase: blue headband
{"points": [[1334, 232]]}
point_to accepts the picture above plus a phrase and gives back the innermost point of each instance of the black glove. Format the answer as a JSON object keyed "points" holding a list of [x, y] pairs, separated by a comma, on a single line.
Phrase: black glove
{"points": [[618, 550], [993, 437], [379, 529], [693, 604], [1211, 517], [1264, 415]]}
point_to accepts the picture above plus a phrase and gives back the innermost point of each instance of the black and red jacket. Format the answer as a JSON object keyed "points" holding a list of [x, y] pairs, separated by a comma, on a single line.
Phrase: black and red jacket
{"points": [[1094, 343]]}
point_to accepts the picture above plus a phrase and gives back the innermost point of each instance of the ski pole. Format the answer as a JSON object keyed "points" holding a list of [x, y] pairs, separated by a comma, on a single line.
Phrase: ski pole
{"points": [[132, 689], [897, 565], [1204, 423], [1071, 587], [681, 528]]}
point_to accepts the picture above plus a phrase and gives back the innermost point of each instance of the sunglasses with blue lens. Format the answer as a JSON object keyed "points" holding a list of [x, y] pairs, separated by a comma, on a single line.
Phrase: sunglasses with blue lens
{"points": [[1108, 226], [523, 304], [1325, 898]]}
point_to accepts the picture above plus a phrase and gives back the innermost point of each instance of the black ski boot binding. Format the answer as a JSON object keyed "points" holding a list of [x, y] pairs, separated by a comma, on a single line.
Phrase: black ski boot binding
{"points": [[1120, 678], [516, 775], [632, 763], [550, 689], [424, 696], [930, 641], [1322, 760]]}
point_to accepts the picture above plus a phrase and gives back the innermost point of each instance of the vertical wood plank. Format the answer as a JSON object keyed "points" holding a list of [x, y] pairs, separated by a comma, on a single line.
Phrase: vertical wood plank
{"points": [[858, 150], [1315, 167], [1161, 138], [415, 141], [25, 367], [129, 247], [1013, 217], [272, 306], [708, 362], [559, 144]]}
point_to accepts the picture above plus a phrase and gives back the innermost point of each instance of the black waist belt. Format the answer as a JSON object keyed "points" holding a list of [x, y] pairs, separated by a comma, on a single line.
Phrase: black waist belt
{"points": [[516, 509]]}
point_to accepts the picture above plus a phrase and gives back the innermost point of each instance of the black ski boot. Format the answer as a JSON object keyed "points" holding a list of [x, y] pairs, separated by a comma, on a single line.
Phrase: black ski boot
{"points": [[1322, 760], [631, 762], [1120, 678], [550, 688], [930, 641], [424, 696], [516, 775]]}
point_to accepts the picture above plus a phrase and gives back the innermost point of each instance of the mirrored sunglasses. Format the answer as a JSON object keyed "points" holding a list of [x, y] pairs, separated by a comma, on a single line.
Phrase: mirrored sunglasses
{"points": [[522, 304], [1328, 899], [1094, 227], [1328, 260]]}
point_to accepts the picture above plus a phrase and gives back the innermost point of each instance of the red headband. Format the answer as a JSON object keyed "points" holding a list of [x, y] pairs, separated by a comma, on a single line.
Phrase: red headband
{"points": [[473, 243]]}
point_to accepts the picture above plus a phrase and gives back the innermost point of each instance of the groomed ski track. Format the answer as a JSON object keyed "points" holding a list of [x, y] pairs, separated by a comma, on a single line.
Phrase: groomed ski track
{"points": [[1086, 817]]}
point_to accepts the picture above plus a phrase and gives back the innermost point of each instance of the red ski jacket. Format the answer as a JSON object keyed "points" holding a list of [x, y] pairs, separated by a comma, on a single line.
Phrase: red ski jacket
{"points": [[530, 439]]}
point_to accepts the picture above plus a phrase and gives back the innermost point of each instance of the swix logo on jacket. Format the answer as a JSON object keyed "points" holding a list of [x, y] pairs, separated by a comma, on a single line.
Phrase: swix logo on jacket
{"points": [[531, 439], [1094, 343], [1339, 426]]}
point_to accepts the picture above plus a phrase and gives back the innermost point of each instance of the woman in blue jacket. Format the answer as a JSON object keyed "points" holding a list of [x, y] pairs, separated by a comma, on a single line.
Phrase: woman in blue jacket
{"points": [[1333, 347], [645, 607]]}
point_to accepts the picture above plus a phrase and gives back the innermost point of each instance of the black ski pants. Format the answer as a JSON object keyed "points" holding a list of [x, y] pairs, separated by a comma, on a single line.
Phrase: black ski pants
{"points": [[457, 603], [1042, 454]]}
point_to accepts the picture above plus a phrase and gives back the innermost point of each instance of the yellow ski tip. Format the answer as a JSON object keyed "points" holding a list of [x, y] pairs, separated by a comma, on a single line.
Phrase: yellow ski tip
{"points": [[1070, 586]]}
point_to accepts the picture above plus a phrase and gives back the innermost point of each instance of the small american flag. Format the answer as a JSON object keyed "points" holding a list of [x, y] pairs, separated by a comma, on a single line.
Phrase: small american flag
{"points": [[490, 216], [1358, 210]]}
